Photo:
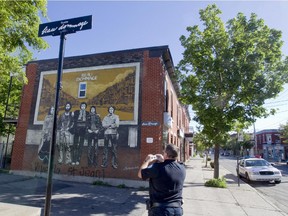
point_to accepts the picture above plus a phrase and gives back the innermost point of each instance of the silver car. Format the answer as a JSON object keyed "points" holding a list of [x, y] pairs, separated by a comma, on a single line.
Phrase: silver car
{"points": [[258, 169]]}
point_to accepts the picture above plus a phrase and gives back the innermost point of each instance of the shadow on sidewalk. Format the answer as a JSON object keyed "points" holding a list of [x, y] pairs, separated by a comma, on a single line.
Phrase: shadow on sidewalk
{"points": [[75, 199]]}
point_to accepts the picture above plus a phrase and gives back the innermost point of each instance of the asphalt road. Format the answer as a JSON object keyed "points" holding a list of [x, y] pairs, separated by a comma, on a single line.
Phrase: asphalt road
{"points": [[276, 193]]}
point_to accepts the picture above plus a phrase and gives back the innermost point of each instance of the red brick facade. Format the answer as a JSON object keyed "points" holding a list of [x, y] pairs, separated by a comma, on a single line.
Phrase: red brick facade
{"points": [[270, 145], [154, 75], [24, 115]]}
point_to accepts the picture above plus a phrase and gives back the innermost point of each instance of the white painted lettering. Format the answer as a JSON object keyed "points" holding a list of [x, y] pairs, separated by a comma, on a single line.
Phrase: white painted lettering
{"points": [[47, 30]]}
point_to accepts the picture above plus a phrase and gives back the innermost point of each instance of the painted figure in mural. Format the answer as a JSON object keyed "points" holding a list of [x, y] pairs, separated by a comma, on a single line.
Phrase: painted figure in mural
{"points": [[110, 124], [80, 128], [65, 142], [44, 147], [94, 126]]}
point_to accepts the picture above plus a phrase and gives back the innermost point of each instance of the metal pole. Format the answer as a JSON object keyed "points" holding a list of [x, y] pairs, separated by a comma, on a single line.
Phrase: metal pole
{"points": [[255, 139], [238, 177], [54, 133], [9, 90], [5, 153], [3, 159]]}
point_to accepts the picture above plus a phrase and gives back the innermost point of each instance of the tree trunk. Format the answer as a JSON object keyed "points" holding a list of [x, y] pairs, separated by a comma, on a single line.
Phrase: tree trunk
{"points": [[216, 161]]}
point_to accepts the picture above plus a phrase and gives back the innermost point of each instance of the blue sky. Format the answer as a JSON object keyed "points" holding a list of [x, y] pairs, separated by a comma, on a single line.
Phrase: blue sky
{"points": [[121, 25]]}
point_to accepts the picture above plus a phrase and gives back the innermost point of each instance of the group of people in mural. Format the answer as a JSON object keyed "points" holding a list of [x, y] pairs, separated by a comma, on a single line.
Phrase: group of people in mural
{"points": [[73, 128]]}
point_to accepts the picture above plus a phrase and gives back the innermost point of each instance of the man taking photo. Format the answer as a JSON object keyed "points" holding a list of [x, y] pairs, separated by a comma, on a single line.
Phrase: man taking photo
{"points": [[166, 178]]}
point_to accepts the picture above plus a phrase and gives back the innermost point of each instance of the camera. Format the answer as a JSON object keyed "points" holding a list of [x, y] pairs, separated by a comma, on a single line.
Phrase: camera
{"points": [[154, 157]]}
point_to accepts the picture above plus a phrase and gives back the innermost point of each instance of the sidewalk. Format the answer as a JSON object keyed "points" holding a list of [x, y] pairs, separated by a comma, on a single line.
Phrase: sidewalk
{"points": [[234, 200], [25, 196]]}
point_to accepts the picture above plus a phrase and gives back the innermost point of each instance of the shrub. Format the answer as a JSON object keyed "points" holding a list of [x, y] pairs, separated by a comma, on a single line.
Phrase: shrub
{"points": [[212, 164], [121, 186], [219, 183], [4, 171], [101, 183]]}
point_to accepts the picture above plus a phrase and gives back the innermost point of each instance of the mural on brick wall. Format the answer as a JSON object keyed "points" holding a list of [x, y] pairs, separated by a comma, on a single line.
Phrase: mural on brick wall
{"points": [[98, 114], [46, 136]]}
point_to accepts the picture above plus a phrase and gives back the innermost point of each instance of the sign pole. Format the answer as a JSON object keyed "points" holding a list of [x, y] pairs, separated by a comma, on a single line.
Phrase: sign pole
{"points": [[61, 28], [54, 134]]}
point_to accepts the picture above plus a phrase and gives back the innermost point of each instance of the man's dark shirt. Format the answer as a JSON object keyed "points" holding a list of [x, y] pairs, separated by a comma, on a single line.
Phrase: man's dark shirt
{"points": [[165, 181]]}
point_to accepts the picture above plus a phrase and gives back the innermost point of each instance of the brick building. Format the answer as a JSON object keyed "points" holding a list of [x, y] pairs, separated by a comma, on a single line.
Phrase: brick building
{"points": [[270, 145], [138, 83]]}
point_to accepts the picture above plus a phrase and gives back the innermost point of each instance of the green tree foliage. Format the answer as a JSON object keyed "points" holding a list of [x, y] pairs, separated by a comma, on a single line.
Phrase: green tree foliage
{"points": [[228, 72], [240, 148], [203, 143], [18, 34], [284, 132]]}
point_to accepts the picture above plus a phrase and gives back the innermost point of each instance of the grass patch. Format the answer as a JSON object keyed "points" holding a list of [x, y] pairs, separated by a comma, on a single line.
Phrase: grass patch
{"points": [[4, 171], [101, 183], [219, 183], [121, 186]]}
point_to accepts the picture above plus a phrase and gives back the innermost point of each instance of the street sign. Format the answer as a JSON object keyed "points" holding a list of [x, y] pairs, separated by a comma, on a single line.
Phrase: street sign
{"points": [[65, 26], [61, 28], [150, 123], [240, 136]]}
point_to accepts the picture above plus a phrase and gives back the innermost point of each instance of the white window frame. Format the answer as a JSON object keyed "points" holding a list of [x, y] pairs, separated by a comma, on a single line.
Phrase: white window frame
{"points": [[81, 90]]}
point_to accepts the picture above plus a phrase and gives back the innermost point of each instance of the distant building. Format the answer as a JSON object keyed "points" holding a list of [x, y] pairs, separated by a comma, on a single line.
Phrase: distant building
{"points": [[138, 83], [270, 145]]}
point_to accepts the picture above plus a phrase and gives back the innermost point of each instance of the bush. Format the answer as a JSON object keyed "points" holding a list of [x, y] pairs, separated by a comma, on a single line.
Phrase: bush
{"points": [[208, 159], [101, 183], [122, 186], [212, 164], [4, 171], [219, 183]]}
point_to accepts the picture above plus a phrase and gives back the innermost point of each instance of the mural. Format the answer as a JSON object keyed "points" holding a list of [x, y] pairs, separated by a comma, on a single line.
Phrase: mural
{"points": [[79, 131], [94, 129], [83, 123], [46, 136], [65, 142], [110, 124]]}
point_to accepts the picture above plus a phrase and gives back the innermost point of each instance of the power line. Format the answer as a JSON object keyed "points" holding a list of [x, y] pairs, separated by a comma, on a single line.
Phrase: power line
{"points": [[280, 101]]}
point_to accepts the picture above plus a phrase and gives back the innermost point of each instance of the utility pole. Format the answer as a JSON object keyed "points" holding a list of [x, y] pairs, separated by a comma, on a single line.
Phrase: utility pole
{"points": [[255, 139]]}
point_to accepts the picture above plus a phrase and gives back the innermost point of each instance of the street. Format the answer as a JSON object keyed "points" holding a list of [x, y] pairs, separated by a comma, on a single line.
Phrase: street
{"points": [[277, 194]]}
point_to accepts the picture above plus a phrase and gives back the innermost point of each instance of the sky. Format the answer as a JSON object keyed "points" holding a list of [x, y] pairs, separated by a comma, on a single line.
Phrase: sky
{"points": [[122, 25]]}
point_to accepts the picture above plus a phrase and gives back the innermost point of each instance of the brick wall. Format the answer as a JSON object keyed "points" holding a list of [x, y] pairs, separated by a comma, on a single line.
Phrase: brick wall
{"points": [[151, 108], [24, 116]]}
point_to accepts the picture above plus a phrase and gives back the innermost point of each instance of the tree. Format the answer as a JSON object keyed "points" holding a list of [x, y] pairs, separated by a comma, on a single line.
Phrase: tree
{"points": [[284, 132], [203, 143], [227, 73], [19, 33]]}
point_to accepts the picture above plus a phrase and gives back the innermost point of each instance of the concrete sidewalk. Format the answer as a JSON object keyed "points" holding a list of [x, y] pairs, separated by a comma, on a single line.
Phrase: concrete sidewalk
{"points": [[25, 196], [234, 200]]}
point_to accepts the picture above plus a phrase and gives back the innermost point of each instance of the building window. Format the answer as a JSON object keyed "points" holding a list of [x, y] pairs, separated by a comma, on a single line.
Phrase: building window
{"points": [[166, 97], [82, 90], [172, 103]]}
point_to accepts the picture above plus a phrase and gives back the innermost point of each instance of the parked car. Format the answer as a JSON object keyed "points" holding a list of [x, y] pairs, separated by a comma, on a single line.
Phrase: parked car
{"points": [[226, 153], [258, 169]]}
